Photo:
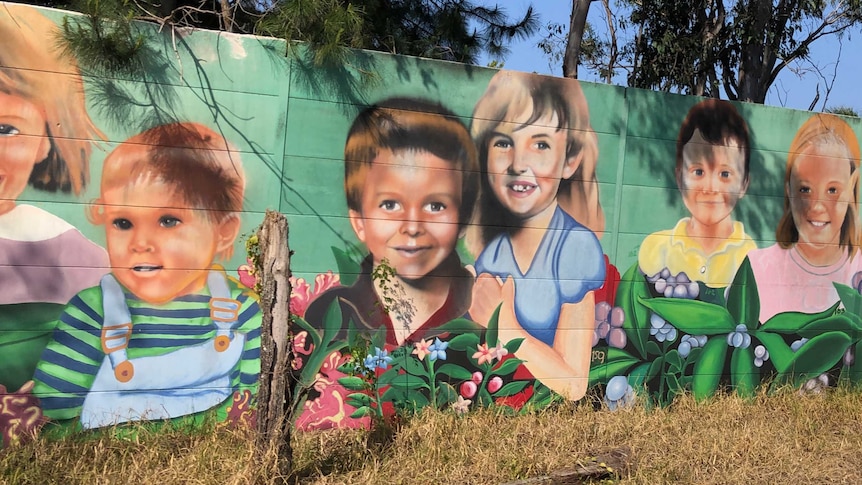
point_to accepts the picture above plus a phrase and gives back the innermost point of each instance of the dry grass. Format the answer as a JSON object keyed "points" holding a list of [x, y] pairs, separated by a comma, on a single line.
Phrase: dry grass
{"points": [[784, 438]]}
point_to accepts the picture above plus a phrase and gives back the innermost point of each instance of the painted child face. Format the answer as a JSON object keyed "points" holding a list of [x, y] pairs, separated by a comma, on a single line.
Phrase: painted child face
{"points": [[409, 212], [158, 247], [22, 145], [527, 163], [820, 192], [712, 179]]}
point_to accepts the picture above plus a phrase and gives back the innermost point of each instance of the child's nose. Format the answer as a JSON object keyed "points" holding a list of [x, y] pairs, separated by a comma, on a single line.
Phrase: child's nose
{"points": [[141, 243], [413, 225]]}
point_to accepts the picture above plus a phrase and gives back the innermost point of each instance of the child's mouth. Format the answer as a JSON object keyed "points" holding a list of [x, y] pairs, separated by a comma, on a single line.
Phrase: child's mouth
{"points": [[818, 223], [146, 268], [410, 251], [522, 189]]}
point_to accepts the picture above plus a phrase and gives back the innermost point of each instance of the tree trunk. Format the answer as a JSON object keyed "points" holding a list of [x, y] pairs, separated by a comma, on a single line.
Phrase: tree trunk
{"points": [[577, 25], [276, 381]]}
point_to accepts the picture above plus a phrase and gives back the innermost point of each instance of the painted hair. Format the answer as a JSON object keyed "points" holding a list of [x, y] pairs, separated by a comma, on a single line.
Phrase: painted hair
{"points": [[403, 124], [823, 131], [30, 70], [200, 165], [719, 123], [509, 95]]}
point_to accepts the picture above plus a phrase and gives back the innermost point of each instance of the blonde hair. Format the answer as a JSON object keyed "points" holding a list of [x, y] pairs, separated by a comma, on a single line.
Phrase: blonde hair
{"points": [[43, 77], [823, 130], [198, 163], [398, 124], [509, 95]]}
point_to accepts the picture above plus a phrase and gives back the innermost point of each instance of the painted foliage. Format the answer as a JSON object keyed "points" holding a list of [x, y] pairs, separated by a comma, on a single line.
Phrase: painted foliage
{"points": [[457, 235]]}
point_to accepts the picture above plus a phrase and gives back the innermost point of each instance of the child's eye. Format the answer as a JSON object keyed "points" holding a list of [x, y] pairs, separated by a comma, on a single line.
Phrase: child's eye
{"points": [[169, 221], [542, 145], [501, 143], [804, 190], [698, 172], [435, 207], [832, 190], [389, 205], [122, 224], [725, 174], [8, 130]]}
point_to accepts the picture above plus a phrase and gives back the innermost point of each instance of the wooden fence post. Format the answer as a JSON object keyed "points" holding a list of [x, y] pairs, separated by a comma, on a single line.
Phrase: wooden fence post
{"points": [[276, 386]]}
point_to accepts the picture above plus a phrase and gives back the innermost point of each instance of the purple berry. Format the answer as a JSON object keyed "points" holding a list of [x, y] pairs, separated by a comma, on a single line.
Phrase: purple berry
{"points": [[665, 273], [596, 338], [618, 317], [671, 280], [603, 329], [682, 278], [684, 349], [602, 311], [680, 291], [617, 338], [660, 285], [693, 290], [668, 292], [656, 321]]}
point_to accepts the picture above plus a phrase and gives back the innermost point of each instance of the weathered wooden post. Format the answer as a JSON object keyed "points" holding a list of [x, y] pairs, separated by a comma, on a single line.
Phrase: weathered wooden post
{"points": [[276, 380]]}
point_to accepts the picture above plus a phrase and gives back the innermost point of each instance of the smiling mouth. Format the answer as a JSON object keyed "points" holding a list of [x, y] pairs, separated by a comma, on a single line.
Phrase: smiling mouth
{"points": [[818, 223], [146, 268], [411, 250], [522, 188]]}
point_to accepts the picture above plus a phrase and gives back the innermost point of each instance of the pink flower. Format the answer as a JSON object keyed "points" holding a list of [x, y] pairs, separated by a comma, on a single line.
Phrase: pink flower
{"points": [[246, 274], [499, 351], [477, 377], [483, 354], [302, 294], [495, 384], [468, 389], [422, 349]]}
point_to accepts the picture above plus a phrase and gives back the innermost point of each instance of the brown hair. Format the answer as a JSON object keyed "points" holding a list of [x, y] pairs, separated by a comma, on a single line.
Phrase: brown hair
{"points": [[398, 124], [30, 70], [823, 130], [201, 166], [509, 95], [719, 123]]}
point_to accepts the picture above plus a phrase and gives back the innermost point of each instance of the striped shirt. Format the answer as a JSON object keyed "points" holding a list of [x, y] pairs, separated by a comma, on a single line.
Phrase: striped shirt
{"points": [[72, 358]]}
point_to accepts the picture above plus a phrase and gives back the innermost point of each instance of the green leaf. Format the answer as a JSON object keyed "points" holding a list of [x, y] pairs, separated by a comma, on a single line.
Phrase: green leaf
{"points": [[460, 326], [352, 383], [674, 387], [616, 363], [491, 334], [708, 369], [361, 412], [358, 399], [466, 342], [838, 323], [652, 348], [674, 360], [455, 371], [414, 366], [514, 345], [691, 316], [332, 322], [407, 381], [507, 367], [312, 332], [855, 370], [851, 298], [445, 394], [511, 388], [639, 376], [780, 353], [818, 355], [792, 322], [743, 301], [744, 375], [483, 397], [348, 268], [632, 287]]}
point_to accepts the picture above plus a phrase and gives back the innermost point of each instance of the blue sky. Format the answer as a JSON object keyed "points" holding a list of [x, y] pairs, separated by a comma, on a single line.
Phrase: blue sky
{"points": [[789, 90]]}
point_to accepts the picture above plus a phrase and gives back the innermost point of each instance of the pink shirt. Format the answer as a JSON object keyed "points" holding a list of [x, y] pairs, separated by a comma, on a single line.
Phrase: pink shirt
{"points": [[787, 282]]}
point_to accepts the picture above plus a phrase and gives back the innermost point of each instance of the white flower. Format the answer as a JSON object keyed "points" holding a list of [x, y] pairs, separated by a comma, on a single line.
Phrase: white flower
{"points": [[462, 405]]}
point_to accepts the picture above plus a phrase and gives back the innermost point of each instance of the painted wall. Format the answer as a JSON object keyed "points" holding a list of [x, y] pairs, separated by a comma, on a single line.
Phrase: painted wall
{"points": [[624, 241]]}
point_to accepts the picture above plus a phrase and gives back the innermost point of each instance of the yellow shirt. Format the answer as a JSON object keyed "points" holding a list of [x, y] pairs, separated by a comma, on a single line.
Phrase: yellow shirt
{"points": [[675, 250]]}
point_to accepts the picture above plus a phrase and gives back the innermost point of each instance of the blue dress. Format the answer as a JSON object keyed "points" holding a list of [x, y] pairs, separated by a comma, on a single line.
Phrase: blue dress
{"points": [[568, 264]]}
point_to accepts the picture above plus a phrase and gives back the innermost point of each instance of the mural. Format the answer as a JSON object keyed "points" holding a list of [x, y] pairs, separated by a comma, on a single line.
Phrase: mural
{"points": [[457, 235]]}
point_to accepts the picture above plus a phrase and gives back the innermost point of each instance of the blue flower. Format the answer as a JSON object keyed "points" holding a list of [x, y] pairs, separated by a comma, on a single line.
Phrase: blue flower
{"points": [[739, 338], [438, 350], [618, 393], [379, 360]]}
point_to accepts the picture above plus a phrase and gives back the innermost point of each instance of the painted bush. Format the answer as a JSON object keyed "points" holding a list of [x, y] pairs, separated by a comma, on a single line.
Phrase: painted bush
{"points": [[463, 237]]}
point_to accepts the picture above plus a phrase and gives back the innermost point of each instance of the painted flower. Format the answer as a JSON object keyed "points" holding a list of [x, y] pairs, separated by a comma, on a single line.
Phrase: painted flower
{"points": [[495, 384], [484, 354], [438, 349], [618, 393], [422, 348], [246, 274], [379, 360], [499, 351], [468, 389], [302, 294], [477, 377], [462, 405]]}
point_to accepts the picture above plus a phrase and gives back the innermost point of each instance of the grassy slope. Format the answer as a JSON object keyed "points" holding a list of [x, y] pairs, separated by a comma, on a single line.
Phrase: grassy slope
{"points": [[784, 438]]}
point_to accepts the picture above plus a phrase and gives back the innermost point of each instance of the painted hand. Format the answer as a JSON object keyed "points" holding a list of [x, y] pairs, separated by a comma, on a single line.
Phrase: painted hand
{"points": [[486, 297]]}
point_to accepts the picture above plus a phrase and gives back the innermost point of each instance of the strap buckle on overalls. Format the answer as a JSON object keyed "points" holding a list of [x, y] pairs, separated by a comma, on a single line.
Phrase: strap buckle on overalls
{"points": [[115, 340], [224, 313]]}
